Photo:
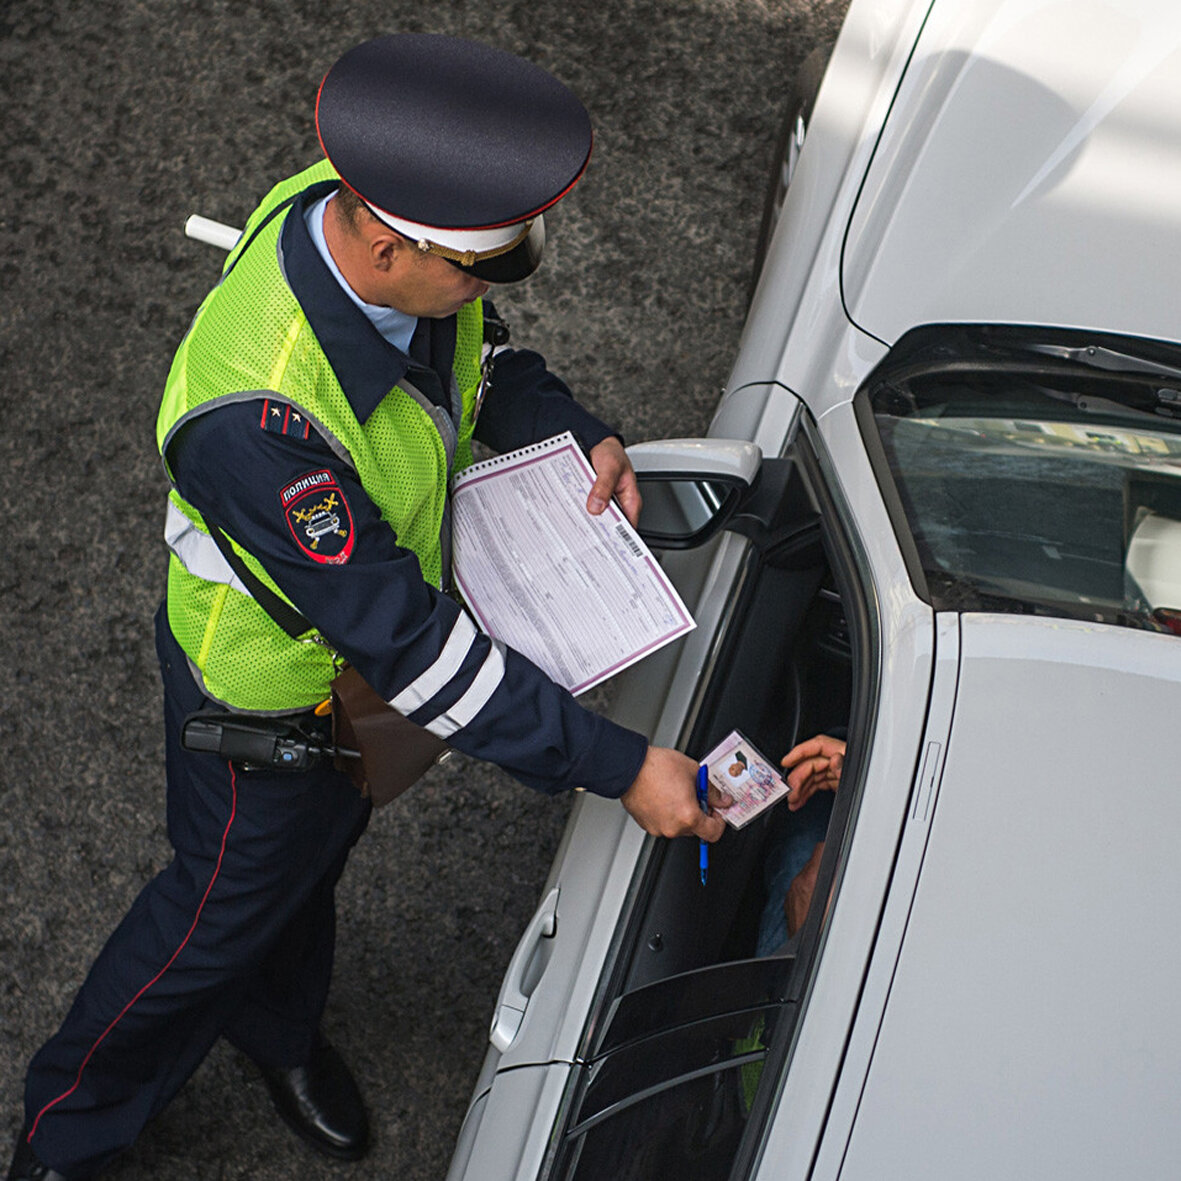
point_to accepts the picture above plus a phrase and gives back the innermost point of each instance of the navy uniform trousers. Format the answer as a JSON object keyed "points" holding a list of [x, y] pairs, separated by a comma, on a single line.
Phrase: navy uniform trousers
{"points": [[235, 937]]}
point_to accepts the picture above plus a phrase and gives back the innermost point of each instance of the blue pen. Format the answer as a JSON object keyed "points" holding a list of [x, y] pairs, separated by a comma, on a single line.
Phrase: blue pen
{"points": [[703, 800]]}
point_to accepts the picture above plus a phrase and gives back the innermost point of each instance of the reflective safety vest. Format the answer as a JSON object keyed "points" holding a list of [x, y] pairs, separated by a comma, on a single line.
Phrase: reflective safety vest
{"points": [[251, 340]]}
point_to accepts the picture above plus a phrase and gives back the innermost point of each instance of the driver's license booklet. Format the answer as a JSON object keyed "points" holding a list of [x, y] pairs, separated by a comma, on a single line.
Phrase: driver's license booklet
{"points": [[746, 776]]}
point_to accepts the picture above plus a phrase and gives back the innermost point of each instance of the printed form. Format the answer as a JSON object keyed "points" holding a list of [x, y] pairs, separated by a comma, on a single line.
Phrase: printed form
{"points": [[581, 596]]}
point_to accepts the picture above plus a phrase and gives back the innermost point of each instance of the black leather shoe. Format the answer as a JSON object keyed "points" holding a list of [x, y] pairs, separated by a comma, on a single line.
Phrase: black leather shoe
{"points": [[321, 1102], [25, 1165]]}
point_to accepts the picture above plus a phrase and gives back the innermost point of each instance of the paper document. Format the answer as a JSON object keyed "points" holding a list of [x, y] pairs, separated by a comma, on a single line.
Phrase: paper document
{"points": [[581, 596], [746, 776]]}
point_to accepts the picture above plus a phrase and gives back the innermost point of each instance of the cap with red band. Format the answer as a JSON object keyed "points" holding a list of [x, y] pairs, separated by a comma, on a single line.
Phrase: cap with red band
{"points": [[455, 145]]}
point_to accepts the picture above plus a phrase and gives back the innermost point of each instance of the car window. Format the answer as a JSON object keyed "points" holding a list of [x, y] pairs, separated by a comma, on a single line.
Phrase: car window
{"points": [[685, 1049], [688, 998], [690, 1130], [1034, 472], [619, 1079]]}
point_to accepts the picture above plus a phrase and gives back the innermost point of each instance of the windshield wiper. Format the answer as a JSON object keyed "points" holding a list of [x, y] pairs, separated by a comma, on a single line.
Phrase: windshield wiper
{"points": [[1108, 359]]}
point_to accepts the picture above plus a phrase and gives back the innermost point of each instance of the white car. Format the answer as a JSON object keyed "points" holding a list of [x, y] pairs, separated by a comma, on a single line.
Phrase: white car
{"points": [[961, 375]]}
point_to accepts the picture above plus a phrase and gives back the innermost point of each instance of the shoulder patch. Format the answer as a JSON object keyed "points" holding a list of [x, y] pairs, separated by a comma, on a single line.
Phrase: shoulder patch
{"points": [[319, 517], [280, 418]]}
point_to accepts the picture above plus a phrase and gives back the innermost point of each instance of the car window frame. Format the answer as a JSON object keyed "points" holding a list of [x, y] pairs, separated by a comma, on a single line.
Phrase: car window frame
{"points": [[849, 566]]}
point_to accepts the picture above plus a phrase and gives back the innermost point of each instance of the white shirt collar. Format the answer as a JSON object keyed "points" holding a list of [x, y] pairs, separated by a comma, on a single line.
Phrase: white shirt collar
{"points": [[397, 327]]}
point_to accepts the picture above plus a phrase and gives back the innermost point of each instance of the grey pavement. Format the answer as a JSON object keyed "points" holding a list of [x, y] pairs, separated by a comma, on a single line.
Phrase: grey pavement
{"points": [[120, 119]]}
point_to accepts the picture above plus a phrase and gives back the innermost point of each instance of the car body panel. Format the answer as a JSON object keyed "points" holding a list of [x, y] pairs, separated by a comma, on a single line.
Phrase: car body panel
{"points": [[595, 865], [506, 1132], [1046, 881], [520, 1088], [602, 846], [1018, 178], [796, 322], [764, 412], [592, 891], [912, 848]]}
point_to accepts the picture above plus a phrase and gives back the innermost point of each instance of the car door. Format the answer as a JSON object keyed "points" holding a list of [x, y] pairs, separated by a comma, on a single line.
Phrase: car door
{"points": [[637, 1023]]}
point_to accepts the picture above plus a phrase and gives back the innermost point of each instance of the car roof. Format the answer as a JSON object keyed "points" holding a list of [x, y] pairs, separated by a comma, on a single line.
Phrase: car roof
{"points": [[1029, 172]]}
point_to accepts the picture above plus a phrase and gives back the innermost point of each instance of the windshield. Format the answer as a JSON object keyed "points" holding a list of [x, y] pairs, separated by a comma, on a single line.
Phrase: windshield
{"points": [[1035, 477]]}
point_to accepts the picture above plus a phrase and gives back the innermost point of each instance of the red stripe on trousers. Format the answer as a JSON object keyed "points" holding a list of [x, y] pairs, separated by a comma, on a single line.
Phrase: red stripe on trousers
{"points": [[171, 960]]}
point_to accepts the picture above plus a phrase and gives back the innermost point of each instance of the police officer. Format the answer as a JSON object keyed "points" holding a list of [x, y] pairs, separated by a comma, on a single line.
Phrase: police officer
{"points": [[324, 394]]}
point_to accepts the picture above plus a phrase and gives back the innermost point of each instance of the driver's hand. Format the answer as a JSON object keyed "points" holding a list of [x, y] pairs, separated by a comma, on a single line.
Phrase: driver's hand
{"points": [[813, 766]]}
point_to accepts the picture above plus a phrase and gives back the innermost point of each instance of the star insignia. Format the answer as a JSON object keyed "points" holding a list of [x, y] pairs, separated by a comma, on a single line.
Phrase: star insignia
{"points": [[281, 418]]}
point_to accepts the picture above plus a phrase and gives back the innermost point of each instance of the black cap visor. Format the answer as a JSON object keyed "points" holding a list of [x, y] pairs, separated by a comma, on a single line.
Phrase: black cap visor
{"points": [[515, 264]]}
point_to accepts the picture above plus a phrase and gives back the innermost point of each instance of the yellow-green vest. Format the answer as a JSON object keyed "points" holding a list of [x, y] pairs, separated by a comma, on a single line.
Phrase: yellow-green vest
{"points": [[250, 338]]}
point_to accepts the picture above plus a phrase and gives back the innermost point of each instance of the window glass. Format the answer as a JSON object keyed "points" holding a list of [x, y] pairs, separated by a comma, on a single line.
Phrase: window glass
{"points": [[689, 1131], [652, 1063], [680, 1000], [1034, 479]]}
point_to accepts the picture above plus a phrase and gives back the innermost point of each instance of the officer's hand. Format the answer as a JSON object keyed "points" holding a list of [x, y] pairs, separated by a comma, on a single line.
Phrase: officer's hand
{"points": [[615, 477], [663, 798]]}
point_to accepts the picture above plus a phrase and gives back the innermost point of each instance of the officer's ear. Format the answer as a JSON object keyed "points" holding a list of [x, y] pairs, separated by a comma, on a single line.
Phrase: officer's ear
{"points": [[387, 249]]}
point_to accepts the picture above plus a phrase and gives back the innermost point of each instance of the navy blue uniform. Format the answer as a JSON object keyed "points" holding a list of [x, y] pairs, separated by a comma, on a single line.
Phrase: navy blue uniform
{"points": [[235, 936]]}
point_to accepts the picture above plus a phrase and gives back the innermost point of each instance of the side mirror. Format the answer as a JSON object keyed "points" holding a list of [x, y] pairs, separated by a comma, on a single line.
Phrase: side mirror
{"points": [[692, 487]]}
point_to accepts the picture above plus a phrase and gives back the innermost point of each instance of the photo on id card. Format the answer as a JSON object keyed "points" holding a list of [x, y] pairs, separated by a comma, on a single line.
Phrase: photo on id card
{"points": [[735, 767]]}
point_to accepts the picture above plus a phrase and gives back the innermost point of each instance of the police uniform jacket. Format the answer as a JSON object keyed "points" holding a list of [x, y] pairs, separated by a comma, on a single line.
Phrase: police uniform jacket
{"points": [[407, 638]]}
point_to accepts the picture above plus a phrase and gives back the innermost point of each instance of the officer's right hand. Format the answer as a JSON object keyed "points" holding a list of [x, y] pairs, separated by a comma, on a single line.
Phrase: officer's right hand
{"points": [[663, 798]]}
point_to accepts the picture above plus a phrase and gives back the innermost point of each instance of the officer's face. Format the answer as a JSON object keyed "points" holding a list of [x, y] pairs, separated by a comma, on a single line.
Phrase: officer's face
{"points": [[426, 285], [384, 268]]}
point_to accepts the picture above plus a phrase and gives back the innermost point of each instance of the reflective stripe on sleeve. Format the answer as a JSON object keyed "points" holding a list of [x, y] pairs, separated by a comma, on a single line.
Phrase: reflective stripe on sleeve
{"points": [[198, 552], [481, 689], [446, 665]]}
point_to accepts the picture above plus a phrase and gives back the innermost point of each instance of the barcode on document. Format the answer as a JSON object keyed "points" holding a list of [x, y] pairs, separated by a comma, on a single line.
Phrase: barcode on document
{"points": [[629, 541]]}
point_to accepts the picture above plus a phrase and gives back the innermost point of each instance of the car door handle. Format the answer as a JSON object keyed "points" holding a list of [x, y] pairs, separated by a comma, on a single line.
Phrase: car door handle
{"points": [[520, 980]]}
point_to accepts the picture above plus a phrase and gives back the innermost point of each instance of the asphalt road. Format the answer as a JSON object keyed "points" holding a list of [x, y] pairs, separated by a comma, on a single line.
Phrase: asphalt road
{"points": [[121, 118]]}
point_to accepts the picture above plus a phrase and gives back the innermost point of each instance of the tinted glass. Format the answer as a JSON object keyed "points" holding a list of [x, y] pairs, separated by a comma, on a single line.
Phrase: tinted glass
{"points": [[689, 1132], [692, 996], [621, 1076], [1035, 483]]}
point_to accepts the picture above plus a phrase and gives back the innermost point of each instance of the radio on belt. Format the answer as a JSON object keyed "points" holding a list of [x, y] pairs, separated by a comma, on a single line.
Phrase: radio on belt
{"points": [[254, 742]]}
